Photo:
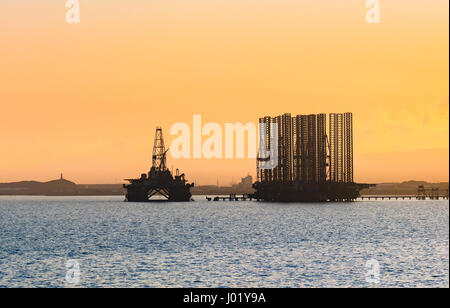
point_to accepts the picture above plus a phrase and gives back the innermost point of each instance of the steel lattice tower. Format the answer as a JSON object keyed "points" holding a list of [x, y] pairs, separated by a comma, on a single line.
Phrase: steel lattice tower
{"points": [[348, 147], [341, 147], [159, 151], [303, 149]]}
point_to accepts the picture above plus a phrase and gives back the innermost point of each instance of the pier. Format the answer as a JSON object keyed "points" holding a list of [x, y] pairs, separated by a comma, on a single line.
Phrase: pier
{"points": [[405, 197], [249, 197], [231, 197]]}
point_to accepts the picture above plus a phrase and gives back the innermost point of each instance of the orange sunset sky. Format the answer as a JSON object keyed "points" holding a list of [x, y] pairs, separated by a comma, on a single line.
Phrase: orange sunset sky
{"points": [[84, 99]]}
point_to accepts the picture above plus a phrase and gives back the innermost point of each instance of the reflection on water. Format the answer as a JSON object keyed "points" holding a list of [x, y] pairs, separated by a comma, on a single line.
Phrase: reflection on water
{"points": [[222, 244]]}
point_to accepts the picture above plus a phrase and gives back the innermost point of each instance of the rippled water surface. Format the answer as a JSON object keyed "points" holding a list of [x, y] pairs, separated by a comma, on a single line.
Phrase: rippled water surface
{"points": [[222, 244]]}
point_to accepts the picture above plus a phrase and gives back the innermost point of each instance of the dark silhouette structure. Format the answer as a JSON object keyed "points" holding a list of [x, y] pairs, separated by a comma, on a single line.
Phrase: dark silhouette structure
{"points": [[159, 181], [312, 165], [431, 193]]}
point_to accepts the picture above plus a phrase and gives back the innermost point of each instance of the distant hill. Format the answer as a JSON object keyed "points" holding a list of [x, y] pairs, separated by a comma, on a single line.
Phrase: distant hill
{"points": [[100, 189], [63, 187], [55, 187], [404, 188]]}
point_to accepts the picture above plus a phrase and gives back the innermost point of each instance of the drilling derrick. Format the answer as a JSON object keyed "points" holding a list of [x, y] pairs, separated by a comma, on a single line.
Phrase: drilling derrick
{"points": [[159, 180], [159, 151]]}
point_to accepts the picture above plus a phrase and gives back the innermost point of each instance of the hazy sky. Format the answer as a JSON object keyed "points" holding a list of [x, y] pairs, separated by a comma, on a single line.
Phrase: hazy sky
{"points": [[84, 99]]}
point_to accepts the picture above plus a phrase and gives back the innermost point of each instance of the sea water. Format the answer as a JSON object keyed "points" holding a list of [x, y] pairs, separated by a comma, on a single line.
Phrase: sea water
{"points": [[222, 244]]}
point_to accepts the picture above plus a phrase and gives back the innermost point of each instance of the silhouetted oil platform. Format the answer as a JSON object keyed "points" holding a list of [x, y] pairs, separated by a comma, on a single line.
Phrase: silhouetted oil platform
{"points": [[159, 181], [311, 165]]}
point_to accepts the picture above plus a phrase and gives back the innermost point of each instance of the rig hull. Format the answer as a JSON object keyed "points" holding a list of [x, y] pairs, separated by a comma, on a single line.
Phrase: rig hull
{"points": [[298, 192], [143, 193], [174, 189]]}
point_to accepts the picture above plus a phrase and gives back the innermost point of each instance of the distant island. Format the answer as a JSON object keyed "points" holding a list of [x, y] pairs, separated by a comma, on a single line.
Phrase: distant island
{"points": [[63, 187]]}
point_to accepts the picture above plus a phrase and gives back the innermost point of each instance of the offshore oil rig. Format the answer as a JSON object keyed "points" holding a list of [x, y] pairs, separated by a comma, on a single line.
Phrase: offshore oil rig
{"points": [[159, 180], [311, 164]]}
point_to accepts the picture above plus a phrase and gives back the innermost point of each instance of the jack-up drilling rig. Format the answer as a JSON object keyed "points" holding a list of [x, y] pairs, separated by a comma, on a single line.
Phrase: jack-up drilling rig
{"points": [[159, 181], [312, 166]]}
